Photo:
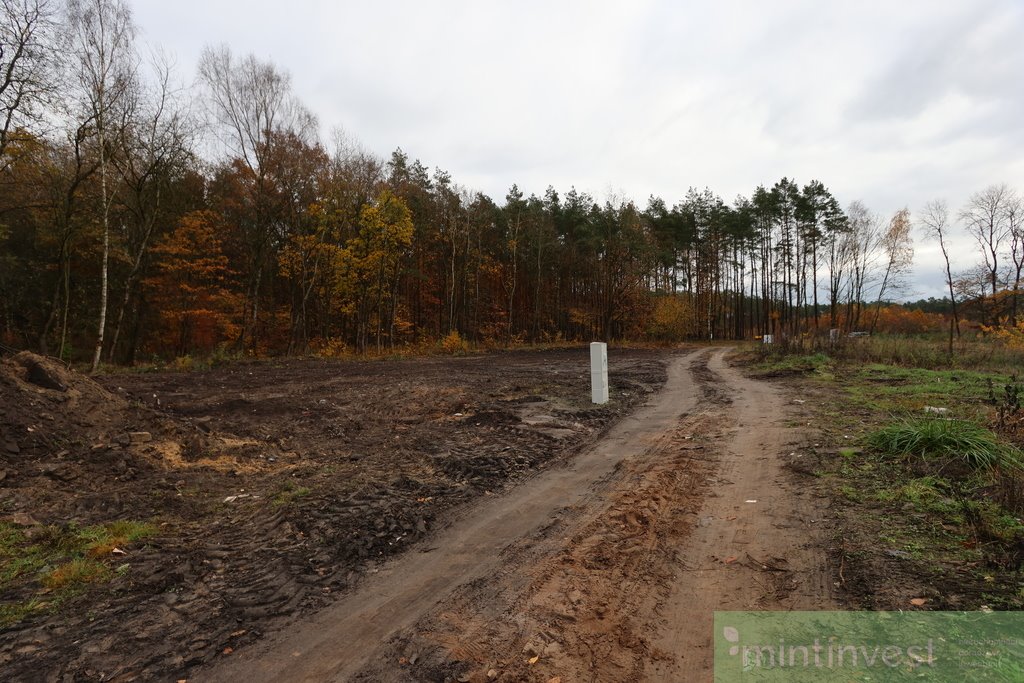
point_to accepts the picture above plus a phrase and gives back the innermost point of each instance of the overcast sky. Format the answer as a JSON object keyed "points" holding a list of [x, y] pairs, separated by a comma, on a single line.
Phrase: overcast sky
{"points": [[894, 103]]}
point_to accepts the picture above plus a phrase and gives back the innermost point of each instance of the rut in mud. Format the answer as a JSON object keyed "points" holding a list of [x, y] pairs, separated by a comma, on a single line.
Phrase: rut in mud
{"points": [[607, 570]]}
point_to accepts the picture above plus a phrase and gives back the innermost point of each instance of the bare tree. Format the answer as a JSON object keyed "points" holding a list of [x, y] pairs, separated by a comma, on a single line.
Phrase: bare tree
{"points": [[985, 219], [155, 139], [250, 101], [935, 224], [28, 66], [899, 257], [863, 244], [103, 36], [1014, 213]]}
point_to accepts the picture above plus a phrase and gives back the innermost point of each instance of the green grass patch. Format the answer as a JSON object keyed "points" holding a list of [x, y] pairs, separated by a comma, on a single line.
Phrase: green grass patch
{"points": [[923, 500], [44, 566], [77, 574], [12, 613], [290, 493], [817, 364], [948, 440], [898, 389]]}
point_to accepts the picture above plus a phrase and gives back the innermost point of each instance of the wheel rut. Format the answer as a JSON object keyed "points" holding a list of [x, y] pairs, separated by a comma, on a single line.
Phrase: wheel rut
{"points": [[484, 543], [606, 569]]}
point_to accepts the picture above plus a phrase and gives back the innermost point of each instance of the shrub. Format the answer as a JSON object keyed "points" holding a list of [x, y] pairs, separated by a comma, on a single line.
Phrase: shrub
{"points": [[329, 348], [454, 343]]}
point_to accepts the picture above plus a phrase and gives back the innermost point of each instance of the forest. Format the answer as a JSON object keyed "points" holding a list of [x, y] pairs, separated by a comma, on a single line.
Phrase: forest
{"points": [[143, 219]]}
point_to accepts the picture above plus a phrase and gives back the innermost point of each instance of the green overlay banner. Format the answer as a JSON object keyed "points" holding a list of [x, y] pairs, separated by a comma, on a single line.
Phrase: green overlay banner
{"points": [[869, 646]]}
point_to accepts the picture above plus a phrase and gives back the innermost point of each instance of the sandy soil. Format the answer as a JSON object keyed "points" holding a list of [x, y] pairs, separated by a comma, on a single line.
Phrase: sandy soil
{"points": [[607, 568]]}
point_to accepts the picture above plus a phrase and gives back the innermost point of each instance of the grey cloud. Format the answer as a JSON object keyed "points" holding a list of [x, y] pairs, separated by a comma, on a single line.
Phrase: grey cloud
{"points": [[893, 103], [976, 52]]}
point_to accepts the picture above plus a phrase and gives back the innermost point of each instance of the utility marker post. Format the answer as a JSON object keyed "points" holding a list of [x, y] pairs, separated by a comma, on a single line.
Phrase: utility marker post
{"points": [[599, 372]]}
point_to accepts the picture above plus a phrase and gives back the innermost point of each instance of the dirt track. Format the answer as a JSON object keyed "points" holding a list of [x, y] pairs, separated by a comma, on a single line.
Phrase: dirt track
{"points": [[607, 568]]}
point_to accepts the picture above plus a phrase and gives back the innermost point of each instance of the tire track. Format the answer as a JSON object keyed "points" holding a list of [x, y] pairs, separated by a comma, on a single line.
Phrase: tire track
{"points": [[624, 589], [341, 639]]}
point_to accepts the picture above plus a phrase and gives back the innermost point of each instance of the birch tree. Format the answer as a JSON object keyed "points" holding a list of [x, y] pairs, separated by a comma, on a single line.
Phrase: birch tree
{"points": [[249, 102], [935, 224], [155, 136], [103, 39], [985, 220], [898, 245], [864, 248], [1014, 214]]}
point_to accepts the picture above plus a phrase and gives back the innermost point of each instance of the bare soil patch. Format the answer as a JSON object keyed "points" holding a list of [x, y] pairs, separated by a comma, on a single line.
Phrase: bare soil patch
{"points": [[273, 487], [697, 516]]}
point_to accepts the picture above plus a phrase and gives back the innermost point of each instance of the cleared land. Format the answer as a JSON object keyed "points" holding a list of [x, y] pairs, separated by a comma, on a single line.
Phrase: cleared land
{"points": [[475, 518], [153, 522]]}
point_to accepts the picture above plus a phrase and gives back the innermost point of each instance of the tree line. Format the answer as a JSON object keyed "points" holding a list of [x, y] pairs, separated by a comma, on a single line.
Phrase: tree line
{"points": [[118, 238]]}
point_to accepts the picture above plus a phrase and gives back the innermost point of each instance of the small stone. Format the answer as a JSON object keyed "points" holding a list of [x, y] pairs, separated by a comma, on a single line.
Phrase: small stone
{"points": [[22, 519], [55, 470], [140, 437], [492, 673], [12, 447]]}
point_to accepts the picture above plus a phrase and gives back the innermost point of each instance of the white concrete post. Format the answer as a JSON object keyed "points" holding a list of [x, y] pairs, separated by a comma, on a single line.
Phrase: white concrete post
{"points": [[599, 372], [768, 339]]}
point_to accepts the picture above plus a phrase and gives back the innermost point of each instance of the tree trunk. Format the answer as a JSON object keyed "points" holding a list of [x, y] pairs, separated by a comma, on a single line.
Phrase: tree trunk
{"points": [[106, 256]]}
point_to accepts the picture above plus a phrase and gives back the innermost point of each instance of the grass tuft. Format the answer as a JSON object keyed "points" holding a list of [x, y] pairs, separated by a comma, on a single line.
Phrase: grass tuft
{"points": [[76, 574], [289, 494], [957, 440]]}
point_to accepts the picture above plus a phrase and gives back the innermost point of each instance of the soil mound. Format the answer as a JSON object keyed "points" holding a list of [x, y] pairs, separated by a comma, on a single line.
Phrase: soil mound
{"points": [[65, 439], [46, 408]]}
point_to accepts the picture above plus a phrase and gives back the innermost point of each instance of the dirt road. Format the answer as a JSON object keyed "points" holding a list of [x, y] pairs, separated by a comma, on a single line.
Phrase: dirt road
{"points": [[607, 568]]}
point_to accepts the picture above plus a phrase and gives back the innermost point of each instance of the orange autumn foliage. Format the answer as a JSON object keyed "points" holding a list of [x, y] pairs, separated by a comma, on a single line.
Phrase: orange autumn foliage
{"points": [[196, 310], [895, 319]]}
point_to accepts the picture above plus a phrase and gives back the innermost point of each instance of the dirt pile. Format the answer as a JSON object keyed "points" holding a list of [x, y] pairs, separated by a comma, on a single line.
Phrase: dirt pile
{"points": [[64, 440], [69, 447], [104, 552]]}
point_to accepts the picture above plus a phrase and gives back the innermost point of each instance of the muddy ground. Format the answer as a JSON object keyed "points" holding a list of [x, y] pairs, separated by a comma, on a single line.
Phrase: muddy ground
{"points": [[451, 519], [606, 568], [273, 487]]}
